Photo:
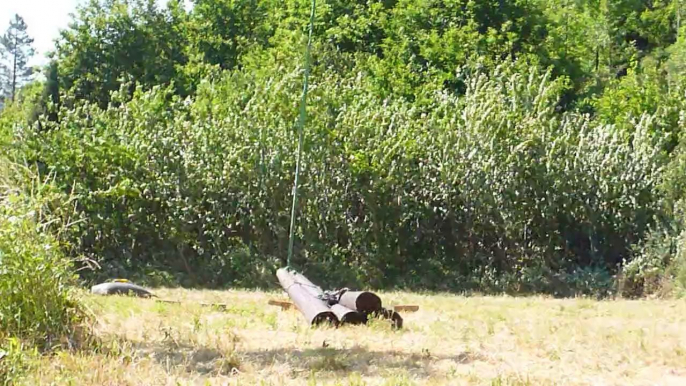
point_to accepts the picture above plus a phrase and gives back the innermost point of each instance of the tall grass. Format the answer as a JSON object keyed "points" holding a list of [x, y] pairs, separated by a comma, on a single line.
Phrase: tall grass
{"points": [[38, 308]]}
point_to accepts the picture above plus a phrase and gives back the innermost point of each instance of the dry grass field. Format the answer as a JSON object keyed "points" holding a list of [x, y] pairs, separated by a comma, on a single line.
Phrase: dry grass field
{"points": [[451, 340]]}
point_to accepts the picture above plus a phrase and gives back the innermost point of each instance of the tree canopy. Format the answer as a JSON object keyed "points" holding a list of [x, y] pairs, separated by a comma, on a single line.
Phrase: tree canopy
{"points": [[15, 52]]}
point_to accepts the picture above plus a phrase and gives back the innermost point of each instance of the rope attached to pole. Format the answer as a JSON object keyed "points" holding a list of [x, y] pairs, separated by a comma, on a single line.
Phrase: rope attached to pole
{"points": [[301, 124]]}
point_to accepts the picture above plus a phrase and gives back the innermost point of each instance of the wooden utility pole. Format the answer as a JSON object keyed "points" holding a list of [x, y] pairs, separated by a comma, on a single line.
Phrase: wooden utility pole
{"points": [[304, 296]]}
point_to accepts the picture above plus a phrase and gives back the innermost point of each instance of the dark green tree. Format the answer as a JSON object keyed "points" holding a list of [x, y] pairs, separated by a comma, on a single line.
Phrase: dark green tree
{"points": [[16, 49], [110, 42], [50, 99]]}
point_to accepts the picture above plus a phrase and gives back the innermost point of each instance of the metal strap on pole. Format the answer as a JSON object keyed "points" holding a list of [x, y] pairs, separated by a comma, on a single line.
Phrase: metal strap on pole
{"points": [[301, 125]]}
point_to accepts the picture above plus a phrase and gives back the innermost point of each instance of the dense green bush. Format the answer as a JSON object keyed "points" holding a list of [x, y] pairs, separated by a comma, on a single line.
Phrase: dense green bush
{"points": [[658, 259], [646, 272], [678, 268], [439, 152], [460, 192]]}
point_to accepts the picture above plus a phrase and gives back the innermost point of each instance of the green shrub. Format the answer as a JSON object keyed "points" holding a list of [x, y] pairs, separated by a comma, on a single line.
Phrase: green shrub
{"points": [[590, 281], [37, 305], [489, 183], [647, 270], [656, 262], [678, 269], [675, 272]]}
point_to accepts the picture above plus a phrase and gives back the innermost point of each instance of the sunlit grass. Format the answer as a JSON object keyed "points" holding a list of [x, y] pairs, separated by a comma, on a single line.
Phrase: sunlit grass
{"points": [[451, 340]]}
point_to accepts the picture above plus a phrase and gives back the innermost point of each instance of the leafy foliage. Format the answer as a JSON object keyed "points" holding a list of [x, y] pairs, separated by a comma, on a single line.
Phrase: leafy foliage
{"points": [[406, 43], [143, 43], [493, 180], [503, 146]]}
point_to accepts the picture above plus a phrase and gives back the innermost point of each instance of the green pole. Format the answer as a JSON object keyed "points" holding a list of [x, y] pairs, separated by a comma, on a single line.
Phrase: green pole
{"points": [[301, 124]]}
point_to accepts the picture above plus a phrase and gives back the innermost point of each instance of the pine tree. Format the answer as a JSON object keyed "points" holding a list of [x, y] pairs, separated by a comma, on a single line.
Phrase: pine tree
{"points": [[16, 50]]}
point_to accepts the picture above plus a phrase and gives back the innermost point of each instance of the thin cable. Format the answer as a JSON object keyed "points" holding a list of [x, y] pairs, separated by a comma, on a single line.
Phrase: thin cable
{"points": [[301, 124]]}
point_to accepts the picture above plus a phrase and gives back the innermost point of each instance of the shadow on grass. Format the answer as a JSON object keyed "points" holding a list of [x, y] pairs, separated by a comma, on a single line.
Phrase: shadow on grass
{"points": [[174, 356], [336, 362], [355, 360]]}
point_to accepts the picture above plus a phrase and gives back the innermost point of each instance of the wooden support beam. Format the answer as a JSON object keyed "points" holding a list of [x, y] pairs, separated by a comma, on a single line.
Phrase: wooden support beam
{"points": [[220, 306], [405, 308], [167, 301], [284, 305]]}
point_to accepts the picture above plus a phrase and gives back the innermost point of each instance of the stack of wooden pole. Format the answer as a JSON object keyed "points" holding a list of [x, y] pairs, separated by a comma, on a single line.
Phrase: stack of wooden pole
{"points": [[351, 307]]}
